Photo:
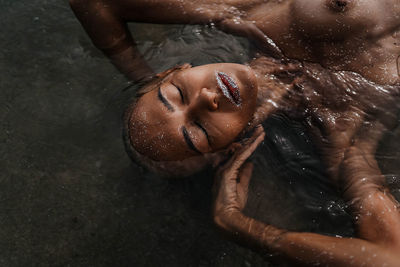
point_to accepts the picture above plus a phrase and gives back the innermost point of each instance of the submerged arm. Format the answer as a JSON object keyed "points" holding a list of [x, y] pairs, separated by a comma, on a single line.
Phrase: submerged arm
{"points": [[109, 33], [105, 21], [304, 248]]}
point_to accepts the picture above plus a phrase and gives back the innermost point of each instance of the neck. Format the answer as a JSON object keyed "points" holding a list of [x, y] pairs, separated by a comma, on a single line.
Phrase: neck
{"points": [[276, 81]]}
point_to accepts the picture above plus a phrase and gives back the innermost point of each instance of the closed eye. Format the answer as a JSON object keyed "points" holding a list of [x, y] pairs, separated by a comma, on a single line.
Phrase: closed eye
{"points": [[180, 92], [204, 131]]}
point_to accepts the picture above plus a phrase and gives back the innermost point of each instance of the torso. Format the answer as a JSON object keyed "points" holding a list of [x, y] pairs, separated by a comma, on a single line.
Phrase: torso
{"points": [[360, 35], [356, 35], [339, 108], [359, 44]]}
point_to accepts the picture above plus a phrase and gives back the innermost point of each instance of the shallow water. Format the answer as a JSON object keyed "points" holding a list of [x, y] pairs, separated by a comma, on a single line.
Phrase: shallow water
{"points": [[71, 196]]}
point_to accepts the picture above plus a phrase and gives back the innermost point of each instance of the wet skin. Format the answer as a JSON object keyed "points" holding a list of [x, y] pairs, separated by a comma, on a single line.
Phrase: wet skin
{"points": [[360, 36], [188, 113], [355, 35]]}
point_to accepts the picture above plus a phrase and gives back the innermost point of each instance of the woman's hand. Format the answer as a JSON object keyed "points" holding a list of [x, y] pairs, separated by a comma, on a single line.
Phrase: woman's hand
{"points": [[232, 181]]}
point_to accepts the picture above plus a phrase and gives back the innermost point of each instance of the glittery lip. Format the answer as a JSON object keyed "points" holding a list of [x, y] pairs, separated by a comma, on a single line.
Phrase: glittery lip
{"points": [[228, 87]]}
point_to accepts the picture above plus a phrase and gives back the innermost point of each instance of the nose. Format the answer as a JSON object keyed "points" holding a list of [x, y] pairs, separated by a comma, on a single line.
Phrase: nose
{"points": [[206, 100]]}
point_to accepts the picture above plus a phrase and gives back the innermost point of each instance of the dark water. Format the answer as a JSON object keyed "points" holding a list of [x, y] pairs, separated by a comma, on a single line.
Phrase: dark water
{"points": [[69, 194]]}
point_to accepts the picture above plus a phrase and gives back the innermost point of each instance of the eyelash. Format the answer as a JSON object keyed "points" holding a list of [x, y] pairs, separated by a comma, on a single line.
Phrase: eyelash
{"points": [[180, 93], [202, 128]]}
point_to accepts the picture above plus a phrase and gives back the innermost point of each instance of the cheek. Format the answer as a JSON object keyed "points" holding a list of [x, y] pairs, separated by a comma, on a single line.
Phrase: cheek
{"points": [[228, 129]]}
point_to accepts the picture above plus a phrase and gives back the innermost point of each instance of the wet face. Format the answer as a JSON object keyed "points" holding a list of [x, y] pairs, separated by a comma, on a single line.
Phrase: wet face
{"points": [[193, 111]]}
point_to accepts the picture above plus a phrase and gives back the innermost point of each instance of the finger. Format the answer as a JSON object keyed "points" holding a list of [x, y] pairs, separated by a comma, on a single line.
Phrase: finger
{"points": [[246, 152], [234, 147], [237, 146], [245, 175], [218, 158], [241, 155], [243, 185], [258, 130]]}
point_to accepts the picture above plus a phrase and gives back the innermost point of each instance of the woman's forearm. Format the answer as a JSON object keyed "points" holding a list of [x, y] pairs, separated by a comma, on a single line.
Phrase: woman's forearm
{"points": [[105, 21], [307, 248], [110, 34], [377, 211], [232, 180], [132, 64], [103, 25]]}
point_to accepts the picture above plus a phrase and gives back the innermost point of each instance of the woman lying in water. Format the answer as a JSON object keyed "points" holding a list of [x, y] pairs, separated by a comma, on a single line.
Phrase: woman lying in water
{"points": [[358, 36], [189, 115]]}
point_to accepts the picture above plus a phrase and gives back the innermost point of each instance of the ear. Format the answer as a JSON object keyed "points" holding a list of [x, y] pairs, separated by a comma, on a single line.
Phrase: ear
{"points": [[171, 70]]}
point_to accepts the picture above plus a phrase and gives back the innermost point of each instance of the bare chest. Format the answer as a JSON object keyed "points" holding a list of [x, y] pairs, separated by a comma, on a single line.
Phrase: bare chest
{"points": [[364, 38]]}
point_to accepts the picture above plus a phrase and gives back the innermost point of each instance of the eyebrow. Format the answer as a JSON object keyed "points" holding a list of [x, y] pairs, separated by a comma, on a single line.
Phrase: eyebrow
{"points": [[164, 100], [188, 140]]}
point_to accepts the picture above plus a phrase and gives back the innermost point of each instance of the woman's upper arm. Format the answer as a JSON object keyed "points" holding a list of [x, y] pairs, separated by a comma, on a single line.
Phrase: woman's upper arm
{"points": [[175, 11], [101, 22]]}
